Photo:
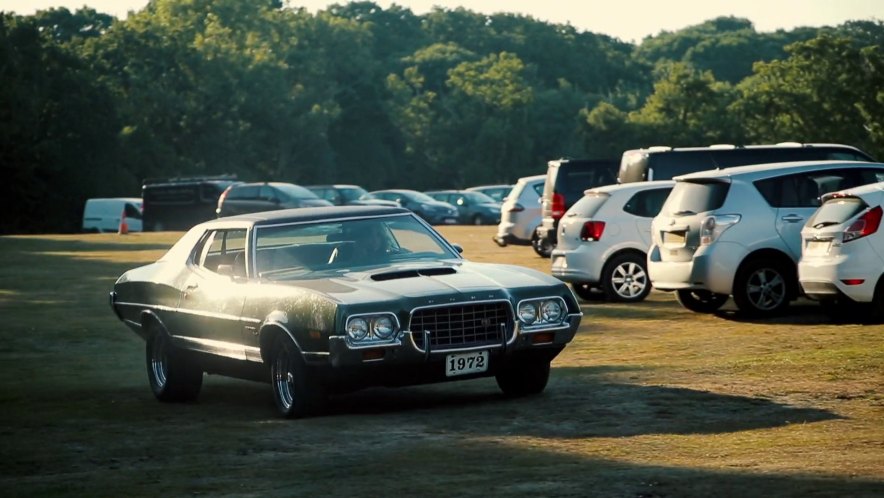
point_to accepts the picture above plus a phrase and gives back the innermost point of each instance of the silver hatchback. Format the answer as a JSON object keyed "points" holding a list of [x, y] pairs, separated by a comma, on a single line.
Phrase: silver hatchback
{"points": [[520, 212], [737, 231]]}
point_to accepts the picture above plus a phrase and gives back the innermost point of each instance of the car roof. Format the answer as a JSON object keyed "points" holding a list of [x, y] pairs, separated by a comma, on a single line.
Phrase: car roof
{"points": [[872, 188], [765, 170], [500, 185], [336, 185], [631, 187], [298, 215], [656, 149]]}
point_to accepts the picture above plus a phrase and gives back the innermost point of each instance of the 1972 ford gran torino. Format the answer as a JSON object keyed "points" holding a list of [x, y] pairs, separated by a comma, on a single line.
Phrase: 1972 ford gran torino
{"points": [[320, 300]]}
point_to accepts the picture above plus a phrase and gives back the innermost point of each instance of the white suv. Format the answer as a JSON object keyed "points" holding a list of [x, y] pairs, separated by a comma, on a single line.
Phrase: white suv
{"points": [[842, 259], [520, 212], [737, 231], [603, 240]]}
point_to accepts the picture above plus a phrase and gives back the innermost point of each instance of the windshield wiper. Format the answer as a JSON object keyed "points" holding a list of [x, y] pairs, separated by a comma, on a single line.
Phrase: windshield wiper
{"points": [[685, 212], [825, 224]]}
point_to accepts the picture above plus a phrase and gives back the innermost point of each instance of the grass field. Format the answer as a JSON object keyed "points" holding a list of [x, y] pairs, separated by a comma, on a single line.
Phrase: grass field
{"points": [[650, 400]]}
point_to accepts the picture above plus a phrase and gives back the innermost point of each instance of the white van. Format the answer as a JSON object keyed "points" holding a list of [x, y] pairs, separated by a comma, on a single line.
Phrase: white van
{"points": [[103, 215]]}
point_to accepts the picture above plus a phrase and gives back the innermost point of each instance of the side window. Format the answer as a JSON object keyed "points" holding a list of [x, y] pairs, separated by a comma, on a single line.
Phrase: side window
{"points": [[539, 189], [132, 211], [223, 251], [268, 193], [648, 203], [804, 190], [242, 193]]}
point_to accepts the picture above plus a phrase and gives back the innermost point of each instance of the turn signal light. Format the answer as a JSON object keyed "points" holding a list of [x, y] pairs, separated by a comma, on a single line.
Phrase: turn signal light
{"points": [[543, 338]]}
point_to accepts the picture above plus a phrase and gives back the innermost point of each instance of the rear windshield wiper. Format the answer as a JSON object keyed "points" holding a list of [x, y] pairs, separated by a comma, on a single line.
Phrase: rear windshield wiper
{"points": [[826, 224], [685, 212]]}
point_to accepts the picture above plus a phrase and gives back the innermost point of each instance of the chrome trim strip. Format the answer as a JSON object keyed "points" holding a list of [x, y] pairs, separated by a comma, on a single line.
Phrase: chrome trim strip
{"points": [[447, 305], [208, 314], [221, 348]]}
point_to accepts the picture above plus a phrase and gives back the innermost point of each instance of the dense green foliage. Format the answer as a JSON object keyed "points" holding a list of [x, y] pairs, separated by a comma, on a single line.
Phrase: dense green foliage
{"points": [[91, 105]]}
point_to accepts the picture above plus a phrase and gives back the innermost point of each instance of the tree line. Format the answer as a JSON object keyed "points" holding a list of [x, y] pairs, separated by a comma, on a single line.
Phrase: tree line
{"points": [[91, 105]]}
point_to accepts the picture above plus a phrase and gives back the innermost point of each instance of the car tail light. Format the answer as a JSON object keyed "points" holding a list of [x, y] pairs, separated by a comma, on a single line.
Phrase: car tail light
{"points": [[867, 224], [713, 226], [516, 208], [853, 281], [592, 230], [558, 205]]}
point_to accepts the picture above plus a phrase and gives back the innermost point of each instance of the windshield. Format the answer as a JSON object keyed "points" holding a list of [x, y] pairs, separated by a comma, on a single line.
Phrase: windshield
{"points": [[419, 197], [302, 250], [295, 192], [479, 198], [351, 194]]}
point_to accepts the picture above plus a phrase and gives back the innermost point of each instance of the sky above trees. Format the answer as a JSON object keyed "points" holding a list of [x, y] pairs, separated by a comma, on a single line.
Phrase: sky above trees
{"points": [[629, 21]]}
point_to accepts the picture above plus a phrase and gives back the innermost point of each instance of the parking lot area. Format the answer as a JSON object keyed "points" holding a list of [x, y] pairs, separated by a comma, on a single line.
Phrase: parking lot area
{"points": [[649, 400]]}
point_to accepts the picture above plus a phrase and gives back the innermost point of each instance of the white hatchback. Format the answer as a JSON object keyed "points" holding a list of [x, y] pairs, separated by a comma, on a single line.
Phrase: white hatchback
{"points": [[737, 232], [842, 259], [603, 240], [520, 212]]}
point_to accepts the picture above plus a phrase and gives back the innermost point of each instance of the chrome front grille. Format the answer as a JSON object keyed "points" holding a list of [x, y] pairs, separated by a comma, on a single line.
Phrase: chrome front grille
{"points": [[462, 325]]}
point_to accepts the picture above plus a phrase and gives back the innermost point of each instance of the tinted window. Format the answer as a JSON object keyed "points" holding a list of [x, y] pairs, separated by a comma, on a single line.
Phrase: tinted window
{"points": [[351, 194], [665, 166], [295, 191], [806, 189], [185, 194], [647, 203], [692, 197], [571, 180], [539, 188], [836, 211], [132, 211], [268, 194]]}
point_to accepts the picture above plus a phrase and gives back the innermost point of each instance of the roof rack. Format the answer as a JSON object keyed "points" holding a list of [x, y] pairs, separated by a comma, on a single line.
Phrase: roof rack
{"points": [[190, 179]]}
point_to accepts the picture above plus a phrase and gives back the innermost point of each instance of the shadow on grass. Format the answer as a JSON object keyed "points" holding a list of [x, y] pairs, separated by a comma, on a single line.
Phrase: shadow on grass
{"points": [[802, 312]]}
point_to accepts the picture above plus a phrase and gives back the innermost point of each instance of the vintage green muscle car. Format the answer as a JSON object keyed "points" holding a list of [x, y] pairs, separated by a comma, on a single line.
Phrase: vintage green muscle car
{"points": [[321, 300]]}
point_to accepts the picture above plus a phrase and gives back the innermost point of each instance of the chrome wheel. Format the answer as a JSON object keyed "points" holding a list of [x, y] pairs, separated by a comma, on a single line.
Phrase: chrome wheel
{"points": [[629, 280], [284, 381], [159, 360], [766, 289], [295, 392], [625, 278]]}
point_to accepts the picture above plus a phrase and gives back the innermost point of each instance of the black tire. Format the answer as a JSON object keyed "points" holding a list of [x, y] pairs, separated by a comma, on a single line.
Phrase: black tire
{"points": [[172, 375], [295, 393], [587, 291], [543, 247], [477, 220], [625, 278], [523, 378], [763, 287], [700, 301]]}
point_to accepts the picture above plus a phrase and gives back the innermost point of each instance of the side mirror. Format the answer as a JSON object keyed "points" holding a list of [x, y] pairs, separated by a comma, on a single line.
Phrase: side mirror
{"points": [[458, 248]]}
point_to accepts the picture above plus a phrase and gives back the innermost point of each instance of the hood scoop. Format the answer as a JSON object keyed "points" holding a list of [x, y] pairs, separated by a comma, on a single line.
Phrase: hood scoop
{"points": [[426, 272]]}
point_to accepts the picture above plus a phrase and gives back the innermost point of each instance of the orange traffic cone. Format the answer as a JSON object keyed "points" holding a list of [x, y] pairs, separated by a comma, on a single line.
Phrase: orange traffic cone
{"points": [[124, 226]]}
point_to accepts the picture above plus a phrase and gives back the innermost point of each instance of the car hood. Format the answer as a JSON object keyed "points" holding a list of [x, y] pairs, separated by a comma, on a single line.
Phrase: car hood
{"points": [[462, 280]]}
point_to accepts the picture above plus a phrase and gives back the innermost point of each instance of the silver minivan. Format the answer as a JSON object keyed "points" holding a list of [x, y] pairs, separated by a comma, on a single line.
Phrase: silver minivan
{"points": [[105, 215], [737, 231]]}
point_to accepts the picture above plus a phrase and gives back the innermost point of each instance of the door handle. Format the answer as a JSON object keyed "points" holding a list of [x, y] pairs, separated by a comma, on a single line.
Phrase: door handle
{"points": [[792, 218], [189, 288]]}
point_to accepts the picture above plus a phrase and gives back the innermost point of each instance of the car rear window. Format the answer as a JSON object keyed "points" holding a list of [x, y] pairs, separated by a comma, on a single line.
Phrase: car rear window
{"points": [[590, 204], [836, 211], [691, 197], [647, 203], [572, 180]]}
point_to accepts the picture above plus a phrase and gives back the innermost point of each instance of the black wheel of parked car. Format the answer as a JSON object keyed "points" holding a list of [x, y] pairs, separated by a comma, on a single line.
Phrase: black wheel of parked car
{"points": [[543, 247], [172, 375], [701, 301], [478, 220], [523, 378], [295, 393], [625, 278], [762, 287], [587, 291]]}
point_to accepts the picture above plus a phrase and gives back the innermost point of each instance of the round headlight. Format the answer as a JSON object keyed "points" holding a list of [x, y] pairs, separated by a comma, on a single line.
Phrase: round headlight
{"points": [[551, 311], [383, 327], [527, 313], [357, 329]]}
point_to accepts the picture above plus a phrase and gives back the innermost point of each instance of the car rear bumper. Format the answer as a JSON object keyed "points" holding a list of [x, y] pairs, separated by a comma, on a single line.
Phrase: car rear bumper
{"points": [[831, 277], [581, 265], [712, 268]]}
